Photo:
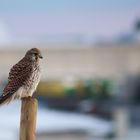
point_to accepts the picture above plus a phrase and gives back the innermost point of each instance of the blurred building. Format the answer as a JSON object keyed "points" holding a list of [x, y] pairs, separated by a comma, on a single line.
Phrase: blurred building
{"points": [[79, 60]]}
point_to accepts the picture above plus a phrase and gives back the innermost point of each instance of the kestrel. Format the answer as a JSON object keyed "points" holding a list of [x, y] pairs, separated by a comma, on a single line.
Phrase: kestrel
{"points": [[23, 77]]}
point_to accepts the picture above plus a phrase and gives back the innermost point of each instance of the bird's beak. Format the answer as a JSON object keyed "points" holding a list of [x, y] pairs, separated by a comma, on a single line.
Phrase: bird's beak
{"points": [[40, 56]]}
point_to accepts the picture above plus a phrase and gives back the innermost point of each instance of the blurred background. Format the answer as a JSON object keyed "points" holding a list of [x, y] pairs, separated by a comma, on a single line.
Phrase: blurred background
{"points": [[90, 84]]}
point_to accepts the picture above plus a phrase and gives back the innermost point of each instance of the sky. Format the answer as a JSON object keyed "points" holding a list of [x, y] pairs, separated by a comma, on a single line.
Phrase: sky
{"points": [[36, 20]]}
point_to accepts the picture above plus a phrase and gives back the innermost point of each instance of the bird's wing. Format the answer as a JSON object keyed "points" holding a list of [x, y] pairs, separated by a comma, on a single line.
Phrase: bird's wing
{"points": [[18, 75]]}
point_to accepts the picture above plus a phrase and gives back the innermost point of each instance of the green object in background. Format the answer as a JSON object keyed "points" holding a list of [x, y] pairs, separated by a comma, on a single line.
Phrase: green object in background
{"points": [[70, 92], [88, 91], [97, 89]]}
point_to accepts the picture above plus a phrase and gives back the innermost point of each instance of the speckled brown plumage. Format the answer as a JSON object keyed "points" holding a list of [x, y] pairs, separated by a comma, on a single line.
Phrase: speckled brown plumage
{"points": [[23, 77]]}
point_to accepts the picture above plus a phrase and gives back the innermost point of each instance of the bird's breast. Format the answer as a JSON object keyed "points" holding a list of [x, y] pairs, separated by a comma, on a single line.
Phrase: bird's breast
{"points": [[32, 82]]}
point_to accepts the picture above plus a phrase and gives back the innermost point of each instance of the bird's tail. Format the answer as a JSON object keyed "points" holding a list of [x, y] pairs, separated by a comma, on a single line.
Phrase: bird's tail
{"points": [[5, 99]]}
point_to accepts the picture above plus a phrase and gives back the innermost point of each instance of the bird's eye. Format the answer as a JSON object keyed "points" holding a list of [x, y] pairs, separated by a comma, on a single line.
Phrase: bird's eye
{"points": [[35, 53]]}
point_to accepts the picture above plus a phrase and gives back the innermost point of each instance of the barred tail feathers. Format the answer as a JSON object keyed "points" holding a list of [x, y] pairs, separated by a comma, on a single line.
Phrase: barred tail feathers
{"points": [[5, 99]]}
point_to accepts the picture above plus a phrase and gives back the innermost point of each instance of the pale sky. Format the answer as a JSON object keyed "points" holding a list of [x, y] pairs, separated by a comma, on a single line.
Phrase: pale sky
{"points": [[31, 20]]}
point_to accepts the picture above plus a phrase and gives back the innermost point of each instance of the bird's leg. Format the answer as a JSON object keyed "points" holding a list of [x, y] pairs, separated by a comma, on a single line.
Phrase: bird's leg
{"points": [[29, 97], [23, 98]]}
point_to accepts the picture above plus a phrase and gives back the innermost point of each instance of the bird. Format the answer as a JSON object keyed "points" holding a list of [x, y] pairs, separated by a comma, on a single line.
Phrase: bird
{"points": [[23, 77]]}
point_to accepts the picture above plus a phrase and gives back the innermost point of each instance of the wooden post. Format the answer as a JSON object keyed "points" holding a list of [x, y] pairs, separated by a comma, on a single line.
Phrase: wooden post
{"points": [[28, 118]]}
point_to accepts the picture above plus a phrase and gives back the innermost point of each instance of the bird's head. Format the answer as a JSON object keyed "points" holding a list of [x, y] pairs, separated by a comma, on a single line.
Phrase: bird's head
{"points": [[34, 54]]}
